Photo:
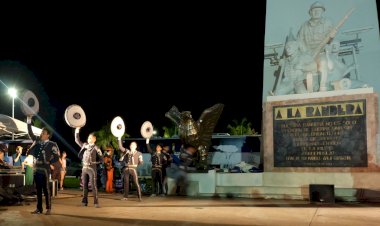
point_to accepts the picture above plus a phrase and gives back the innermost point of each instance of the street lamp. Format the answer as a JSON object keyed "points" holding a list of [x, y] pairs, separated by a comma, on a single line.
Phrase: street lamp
{"points": [[13, 93]]}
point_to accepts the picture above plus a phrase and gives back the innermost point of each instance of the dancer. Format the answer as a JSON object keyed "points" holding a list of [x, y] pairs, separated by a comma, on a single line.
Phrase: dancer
{"points": [[44, 152], [88, 153], [158, 162], [132, 158], [169, 159]]}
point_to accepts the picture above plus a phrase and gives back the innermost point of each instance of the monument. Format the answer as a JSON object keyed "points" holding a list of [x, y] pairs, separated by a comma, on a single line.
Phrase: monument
{"points": [[320, 100], [196, 134]]}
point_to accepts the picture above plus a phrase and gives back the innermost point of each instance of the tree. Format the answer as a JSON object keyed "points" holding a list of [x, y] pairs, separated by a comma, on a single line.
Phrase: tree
{"points": [[170, 131], [37, 123], [241, 128]]}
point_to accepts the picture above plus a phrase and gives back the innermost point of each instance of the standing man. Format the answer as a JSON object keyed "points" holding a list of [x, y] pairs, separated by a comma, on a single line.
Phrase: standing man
{"points": [[18, 158], [132, 158], [88, 153], [44, 152], [169, 160], [158, 162], [312, 35]]}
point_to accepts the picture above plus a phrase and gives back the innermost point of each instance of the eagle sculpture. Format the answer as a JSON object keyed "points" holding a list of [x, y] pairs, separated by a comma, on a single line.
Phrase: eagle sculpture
{"points": [[196, 135]]}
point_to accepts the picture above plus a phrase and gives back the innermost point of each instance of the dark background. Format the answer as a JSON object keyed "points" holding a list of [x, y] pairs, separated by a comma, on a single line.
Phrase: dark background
{"points": [[136, 66], [135, 62]]}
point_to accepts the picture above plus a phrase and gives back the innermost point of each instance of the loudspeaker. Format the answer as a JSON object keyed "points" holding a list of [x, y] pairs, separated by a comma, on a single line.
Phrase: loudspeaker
{"points": [[12, 180], [322, 193]]}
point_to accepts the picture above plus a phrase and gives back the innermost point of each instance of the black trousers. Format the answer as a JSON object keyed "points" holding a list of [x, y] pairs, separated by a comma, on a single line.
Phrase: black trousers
{"points": [[133, 173], [41, 178], [157, 181], [89, 174]]}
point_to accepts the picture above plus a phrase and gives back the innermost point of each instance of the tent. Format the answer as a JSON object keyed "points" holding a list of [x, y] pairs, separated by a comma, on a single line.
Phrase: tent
{"points": [[9, 125]]}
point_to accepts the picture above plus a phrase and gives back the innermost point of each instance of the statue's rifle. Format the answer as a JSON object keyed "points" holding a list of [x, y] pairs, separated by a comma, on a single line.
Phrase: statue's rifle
{"points": [[332, 33], [280, 70]]}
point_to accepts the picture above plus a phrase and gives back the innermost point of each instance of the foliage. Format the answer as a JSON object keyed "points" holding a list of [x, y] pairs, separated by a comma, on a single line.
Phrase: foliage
{"points": [[105, 138], [170, 131], [241, 128], [37, 123], [71, 182]]}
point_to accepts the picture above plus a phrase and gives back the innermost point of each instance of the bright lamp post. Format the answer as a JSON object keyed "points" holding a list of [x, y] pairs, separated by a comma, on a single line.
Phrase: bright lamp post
{"points": [[13, 93]]}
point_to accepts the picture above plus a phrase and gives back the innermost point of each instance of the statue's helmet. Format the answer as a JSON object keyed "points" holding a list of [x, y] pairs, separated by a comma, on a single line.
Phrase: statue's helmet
{"points": [[317, 5]]}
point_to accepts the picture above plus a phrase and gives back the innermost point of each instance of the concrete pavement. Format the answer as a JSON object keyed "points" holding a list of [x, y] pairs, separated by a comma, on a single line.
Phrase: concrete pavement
{"points": [[174, 210]]}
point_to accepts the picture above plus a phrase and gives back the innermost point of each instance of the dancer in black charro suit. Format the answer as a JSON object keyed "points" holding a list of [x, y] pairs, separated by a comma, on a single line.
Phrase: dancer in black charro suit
{"points": [[88, 153], [44, 153], [132, 159]]}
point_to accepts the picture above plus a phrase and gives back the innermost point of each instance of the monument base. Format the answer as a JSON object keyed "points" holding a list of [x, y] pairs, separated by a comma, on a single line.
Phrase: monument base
{"points": [[321, 193], [347, 186], [328, 133]]}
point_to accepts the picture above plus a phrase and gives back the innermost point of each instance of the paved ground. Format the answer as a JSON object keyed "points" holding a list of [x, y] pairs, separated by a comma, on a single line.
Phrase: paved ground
{"points": [[174, 210]]}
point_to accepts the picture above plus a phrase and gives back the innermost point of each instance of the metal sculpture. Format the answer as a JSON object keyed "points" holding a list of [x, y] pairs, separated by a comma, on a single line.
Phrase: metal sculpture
{"points": [[196, 135]]}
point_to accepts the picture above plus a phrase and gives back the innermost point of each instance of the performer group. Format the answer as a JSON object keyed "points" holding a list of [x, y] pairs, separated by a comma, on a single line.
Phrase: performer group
{"points": [[46, 163], [47, 160]]}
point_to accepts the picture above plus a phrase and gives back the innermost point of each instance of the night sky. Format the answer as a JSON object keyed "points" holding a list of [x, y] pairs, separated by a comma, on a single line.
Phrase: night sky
{"points": [[138, 68]]}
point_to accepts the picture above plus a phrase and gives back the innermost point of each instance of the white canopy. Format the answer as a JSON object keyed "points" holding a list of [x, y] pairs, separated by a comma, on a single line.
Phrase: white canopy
{"points": [[9, 125]]}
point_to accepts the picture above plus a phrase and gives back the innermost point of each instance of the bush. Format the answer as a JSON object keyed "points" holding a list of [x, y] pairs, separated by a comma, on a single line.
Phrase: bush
{"points": [[73, 168], [71, 182]]}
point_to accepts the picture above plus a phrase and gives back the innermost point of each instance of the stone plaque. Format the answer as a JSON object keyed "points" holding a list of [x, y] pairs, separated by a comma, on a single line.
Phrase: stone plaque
{"points": [[320, 135]]}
